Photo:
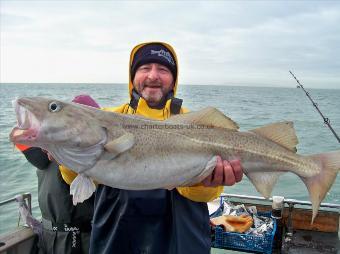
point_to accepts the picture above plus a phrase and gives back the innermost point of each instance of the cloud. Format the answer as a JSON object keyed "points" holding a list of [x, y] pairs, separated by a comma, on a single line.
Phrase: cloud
{"points": [[244, 42]]}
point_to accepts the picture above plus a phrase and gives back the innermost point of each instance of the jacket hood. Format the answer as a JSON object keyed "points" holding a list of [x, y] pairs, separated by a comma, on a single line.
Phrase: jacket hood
{"points": [[135, 49]]}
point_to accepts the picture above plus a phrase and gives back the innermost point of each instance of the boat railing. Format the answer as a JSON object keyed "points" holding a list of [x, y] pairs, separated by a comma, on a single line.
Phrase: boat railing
{"points": [[25, 197], [21, 239], [289, 202]]}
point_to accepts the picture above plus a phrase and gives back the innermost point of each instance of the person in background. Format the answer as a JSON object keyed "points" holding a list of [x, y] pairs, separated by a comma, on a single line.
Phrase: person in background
{"points": [[157, 221], [65, 228]]}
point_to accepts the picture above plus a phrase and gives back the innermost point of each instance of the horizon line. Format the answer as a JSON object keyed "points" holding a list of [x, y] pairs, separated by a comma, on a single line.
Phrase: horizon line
{"points": [[106, 83]]}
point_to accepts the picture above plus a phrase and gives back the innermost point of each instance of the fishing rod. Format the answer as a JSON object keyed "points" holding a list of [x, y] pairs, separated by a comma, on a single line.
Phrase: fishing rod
{"points": [[325, 119]]}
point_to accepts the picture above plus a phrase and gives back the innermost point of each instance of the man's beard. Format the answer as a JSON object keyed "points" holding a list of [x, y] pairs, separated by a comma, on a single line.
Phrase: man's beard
{"points": [[155, 97]]}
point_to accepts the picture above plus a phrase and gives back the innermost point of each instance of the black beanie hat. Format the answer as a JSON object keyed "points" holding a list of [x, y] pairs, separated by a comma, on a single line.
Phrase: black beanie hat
{"points": [[154, 53]]}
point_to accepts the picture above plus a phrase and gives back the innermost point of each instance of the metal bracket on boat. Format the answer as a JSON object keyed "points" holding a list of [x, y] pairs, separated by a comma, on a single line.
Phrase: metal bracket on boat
{"points": [[25, 208], [289, 233], [26, 197]]}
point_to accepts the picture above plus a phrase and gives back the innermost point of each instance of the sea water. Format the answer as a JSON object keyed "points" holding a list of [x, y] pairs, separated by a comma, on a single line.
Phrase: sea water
{"points": [[250, 107]]}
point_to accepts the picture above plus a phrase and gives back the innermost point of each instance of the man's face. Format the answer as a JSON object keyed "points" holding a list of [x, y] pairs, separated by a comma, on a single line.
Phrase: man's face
{"points": [[153, 82]]}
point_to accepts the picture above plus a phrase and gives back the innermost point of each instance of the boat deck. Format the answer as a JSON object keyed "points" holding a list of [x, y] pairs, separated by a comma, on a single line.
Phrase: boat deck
{"points": [[298, 234], [309, 242]]}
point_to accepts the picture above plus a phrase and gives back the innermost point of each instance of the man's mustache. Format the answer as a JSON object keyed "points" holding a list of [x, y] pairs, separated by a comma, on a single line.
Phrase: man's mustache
{"points": [[152, 84]]}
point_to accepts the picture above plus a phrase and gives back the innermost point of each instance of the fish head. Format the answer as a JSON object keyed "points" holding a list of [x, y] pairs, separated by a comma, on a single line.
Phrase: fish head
{"points": [[64, 129], [42, 121]]}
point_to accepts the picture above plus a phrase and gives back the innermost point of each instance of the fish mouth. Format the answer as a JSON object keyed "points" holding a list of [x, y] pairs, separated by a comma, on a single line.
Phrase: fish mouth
{"points": [[27, 124]]}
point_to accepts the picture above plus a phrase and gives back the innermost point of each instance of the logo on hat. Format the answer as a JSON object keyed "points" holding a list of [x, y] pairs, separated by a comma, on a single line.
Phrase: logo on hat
{"points": [[164, 54]]}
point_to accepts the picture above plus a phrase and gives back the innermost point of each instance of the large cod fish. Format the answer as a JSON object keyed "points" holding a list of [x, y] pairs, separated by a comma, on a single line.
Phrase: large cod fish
{"points": [[135, 153]]}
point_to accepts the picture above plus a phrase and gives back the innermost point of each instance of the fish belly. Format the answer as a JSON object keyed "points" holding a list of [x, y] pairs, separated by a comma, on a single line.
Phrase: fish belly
{"points": [[132, 172]]}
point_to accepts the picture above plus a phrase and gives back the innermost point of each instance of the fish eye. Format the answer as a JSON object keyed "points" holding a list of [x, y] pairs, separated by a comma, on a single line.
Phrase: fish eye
{"points": [[54, 106]]}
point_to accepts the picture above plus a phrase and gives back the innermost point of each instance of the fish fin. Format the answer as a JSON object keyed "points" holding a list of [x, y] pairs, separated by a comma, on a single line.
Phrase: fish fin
{"points": [[81, 188], [121, 144], [75, 158], [319, 185], [208, 116], [282, 133], [264, 181]]}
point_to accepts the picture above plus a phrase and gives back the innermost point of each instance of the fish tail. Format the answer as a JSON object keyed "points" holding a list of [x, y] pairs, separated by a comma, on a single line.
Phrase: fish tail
{"points": [[319, 185]]}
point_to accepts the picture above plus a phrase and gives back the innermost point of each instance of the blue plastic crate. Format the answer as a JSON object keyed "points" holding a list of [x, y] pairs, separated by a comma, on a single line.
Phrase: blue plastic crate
{"points": [[250, 242]]}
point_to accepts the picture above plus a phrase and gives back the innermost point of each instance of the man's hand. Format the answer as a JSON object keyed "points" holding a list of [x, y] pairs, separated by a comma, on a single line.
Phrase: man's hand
{"points": [[225, 173]]}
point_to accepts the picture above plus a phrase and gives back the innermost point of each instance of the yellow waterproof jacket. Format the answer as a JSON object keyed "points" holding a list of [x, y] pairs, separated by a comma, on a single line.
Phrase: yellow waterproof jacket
{"points": [[198, 193]]}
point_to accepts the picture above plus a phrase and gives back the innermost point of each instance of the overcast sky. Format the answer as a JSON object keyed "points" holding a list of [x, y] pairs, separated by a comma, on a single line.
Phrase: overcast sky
{"points": [[251, 43]]}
